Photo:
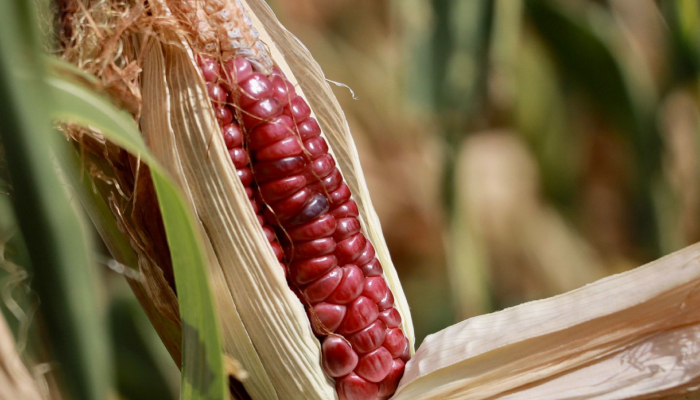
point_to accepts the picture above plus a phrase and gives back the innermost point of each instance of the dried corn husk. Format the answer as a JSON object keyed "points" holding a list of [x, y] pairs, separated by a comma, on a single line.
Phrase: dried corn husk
{"points": [[628, 336], [15, 381]]}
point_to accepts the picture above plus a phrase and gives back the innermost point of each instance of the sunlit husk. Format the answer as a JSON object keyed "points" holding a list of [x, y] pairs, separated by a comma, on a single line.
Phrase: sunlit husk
{"points": [[632, 335], [15, 381]]}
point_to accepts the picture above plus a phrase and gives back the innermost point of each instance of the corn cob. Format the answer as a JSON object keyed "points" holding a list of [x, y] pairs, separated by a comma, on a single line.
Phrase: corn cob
{"points": [[296, 187]]}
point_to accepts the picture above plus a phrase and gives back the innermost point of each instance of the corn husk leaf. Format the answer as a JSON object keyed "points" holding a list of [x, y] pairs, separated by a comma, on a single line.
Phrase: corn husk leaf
{"points": [[632, 335]]}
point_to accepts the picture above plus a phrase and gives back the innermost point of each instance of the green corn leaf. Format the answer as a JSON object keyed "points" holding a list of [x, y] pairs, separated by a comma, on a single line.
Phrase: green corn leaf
{"points": [[203, 374], [57, 242]]}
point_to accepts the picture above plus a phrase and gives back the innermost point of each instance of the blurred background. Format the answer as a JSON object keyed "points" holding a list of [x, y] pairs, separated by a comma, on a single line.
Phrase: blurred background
{"points": [[515, 150]]}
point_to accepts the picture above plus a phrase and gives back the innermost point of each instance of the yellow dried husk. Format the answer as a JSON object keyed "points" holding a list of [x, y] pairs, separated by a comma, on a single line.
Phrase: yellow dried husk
{"points": [[628, 336], [15, 380]]}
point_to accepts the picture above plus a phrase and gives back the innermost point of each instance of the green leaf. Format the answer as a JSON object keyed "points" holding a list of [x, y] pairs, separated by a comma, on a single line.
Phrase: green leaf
{"points": [[55, 236], [203, 376], [144, 368], [581, 44], [683, 19]]}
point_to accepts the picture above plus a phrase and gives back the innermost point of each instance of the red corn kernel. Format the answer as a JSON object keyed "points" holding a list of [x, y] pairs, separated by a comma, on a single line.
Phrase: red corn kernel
{"points": [[316, 147], [279, 253], [239, 157], [354, 387], [375, 288], [298, 109], [269, 233], [386, 302], [406, 355], [338, 357], [332, 181], [282, 168], [217, 94], [249, 192], [313, 248], [388, 385], [286, 147], [359, 315], [350, 287], [255, 88], [327, 184], [324, 286], [256, 206], [233, 137], [270, 132], [375, 365], [281, 188], [282, 90], [223, 115], [245, 175], [317, 206], [270, 216], [390, 317], [339, 195], [308, 128], [320, 227], [261, 220], [210, 68], [326, 317], [307, 271], [367, 254], [395, 342], [239, 69], [349, 249], [369, 338], [292, 205], [263, 110], [320, 168], [347, 209], [346, 228], [372, 268], [276, 71]]}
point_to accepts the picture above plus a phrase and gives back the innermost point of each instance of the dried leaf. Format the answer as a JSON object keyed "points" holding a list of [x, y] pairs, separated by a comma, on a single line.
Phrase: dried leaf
{"points": [[15, 381], [631, 335]]}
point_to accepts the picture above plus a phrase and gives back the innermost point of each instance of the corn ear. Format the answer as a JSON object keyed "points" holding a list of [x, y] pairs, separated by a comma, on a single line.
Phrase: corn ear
{"points": [[293, 57]]}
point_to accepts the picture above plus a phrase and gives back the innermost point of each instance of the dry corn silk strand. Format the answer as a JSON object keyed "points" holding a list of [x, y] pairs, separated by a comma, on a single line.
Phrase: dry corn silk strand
{"points": [[303, 205], [311, 221]]}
